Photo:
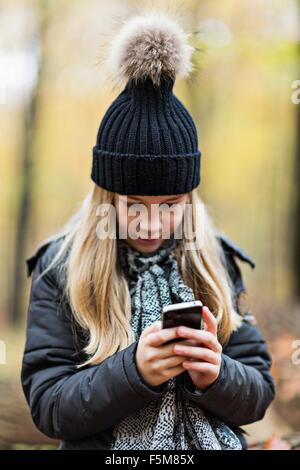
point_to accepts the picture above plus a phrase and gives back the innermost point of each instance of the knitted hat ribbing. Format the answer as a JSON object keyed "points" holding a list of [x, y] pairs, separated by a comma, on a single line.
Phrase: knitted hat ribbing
{"points": [[147, 141]]}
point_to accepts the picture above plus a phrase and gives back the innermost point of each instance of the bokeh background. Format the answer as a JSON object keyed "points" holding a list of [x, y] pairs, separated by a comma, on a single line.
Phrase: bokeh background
{"points": [[54, 89]]}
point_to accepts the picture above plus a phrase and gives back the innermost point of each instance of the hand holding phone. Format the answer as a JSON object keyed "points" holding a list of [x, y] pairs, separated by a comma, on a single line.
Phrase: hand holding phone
{"points": [[154, 355], [155, 359], [185, 313]]}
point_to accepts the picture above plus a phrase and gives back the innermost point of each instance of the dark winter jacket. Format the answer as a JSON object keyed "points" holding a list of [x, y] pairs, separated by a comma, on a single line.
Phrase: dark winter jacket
{"points": [[81, 406]]}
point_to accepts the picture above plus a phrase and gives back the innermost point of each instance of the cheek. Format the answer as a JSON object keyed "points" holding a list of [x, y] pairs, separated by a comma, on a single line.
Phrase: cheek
{"points": [[171, 222], [168, 222], [178, 219], [122, 219]]}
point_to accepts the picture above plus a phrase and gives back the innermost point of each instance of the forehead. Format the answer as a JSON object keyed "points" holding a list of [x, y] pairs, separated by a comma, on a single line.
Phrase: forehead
{"points": [[151, 199]]}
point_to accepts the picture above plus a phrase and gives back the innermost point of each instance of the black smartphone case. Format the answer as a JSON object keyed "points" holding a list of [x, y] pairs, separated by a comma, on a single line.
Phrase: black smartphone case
{"points": [[190, 317]]}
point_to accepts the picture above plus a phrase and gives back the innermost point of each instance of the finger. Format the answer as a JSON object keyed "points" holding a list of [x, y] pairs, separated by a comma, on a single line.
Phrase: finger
{"points": [[174, 371], [160, 337], [168, 349], [171, 362], [156, 326], [201, 336], [210, 321], [204, 367], [203, 354]]}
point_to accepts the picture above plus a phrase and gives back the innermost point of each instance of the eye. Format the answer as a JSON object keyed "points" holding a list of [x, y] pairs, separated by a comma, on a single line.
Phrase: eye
{"points": [[130, 203], [169, 204]]}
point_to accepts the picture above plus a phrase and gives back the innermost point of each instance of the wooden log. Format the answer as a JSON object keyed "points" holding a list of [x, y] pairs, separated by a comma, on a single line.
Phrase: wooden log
{"points": [[16, 425]]}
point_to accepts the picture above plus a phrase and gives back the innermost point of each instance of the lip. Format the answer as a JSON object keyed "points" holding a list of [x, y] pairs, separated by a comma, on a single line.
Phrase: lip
{"points": [[148, 241]]}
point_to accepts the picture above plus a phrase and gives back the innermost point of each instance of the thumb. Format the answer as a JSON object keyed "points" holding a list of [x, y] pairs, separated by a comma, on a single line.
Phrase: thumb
{"points": [[156, 326]]}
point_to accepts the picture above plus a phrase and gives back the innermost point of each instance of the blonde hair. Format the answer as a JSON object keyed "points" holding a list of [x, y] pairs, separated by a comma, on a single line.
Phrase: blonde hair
{"points": [[97, 290]]}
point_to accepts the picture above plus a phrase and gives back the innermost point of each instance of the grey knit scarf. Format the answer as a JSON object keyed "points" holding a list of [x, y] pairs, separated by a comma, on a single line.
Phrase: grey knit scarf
{"points": [[172, 423]]}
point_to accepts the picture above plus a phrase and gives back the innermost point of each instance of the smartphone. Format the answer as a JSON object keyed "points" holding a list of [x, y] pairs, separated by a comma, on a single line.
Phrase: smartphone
{"points": [[184, 313]]}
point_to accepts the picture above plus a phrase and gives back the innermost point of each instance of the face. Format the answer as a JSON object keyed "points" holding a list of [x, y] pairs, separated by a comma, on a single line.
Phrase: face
{"points": [[158, 216]]}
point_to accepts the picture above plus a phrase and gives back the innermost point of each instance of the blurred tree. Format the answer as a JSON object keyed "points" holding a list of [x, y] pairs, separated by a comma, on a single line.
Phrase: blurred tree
{"points": [[30, 119], [296, 219]]}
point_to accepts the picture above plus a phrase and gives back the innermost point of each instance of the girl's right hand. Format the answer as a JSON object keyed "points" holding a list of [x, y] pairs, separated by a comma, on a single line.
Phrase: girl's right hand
{"points": [[155, 361]]}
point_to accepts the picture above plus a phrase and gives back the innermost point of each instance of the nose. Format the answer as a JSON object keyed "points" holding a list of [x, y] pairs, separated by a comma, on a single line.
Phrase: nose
{"points": [[150, 226]]}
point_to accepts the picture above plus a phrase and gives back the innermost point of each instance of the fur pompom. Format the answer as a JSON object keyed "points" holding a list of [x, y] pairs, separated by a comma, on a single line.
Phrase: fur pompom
{"points": [[152, 46]]}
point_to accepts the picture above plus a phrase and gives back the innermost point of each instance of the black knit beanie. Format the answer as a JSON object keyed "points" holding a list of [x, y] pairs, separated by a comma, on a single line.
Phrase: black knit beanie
{"points": [[147, 141]]}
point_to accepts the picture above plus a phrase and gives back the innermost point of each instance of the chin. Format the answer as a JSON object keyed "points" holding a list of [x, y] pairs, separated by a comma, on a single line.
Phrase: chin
{"points": [[146, 246]]}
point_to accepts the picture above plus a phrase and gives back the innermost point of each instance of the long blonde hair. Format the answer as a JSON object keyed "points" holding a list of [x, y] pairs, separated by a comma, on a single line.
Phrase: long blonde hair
{"points": [[97, 290]]}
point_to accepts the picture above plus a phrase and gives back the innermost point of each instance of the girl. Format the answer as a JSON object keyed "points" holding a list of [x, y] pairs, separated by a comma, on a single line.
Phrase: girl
{"points": [[97, 370]]}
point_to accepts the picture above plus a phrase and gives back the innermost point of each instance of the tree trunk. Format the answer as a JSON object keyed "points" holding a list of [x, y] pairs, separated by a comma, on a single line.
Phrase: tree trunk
{"points": [[25, 180]]}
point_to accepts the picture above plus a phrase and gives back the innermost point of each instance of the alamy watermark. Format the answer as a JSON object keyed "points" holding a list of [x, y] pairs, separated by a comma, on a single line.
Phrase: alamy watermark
{"points": [[136, 223]]}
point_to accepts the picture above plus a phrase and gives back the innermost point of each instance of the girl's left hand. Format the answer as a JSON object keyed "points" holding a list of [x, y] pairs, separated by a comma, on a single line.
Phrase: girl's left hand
{"points": [[205, 354]]}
